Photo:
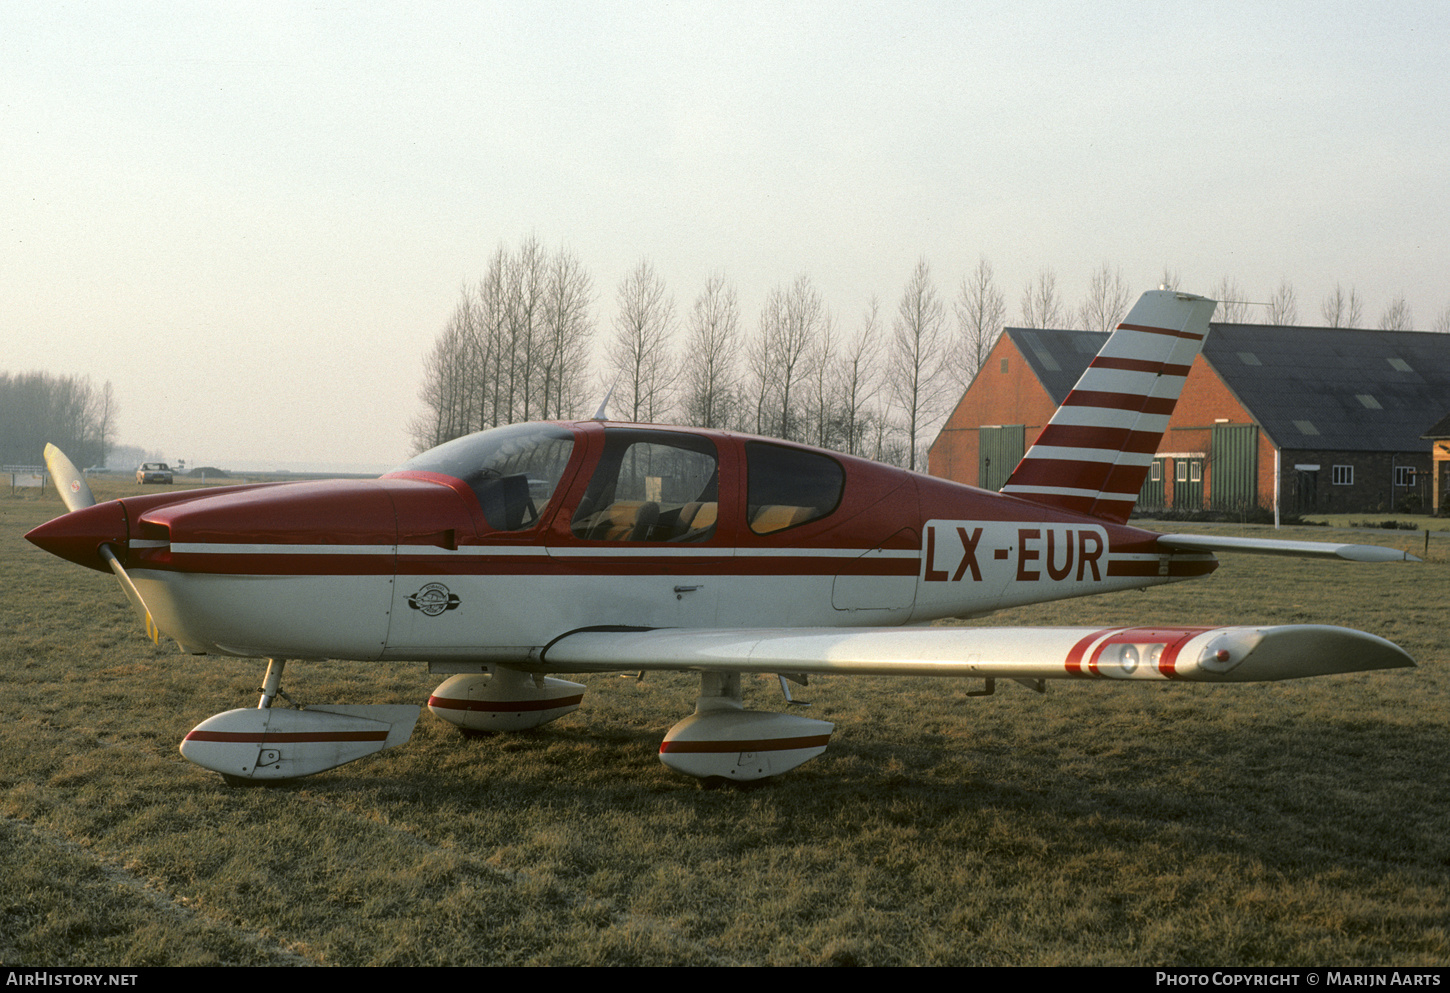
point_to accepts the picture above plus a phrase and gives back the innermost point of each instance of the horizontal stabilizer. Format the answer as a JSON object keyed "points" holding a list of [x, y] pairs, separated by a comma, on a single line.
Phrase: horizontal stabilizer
{"points": [[1272, 546], [1223, 654]]}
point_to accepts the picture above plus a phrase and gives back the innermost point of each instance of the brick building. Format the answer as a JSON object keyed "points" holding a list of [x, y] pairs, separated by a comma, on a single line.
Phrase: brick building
{"points": [[1340, 412]]}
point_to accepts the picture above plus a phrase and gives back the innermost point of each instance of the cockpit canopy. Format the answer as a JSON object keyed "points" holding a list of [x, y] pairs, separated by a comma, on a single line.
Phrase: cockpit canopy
{"points": [[513, 470], [647, 485]]}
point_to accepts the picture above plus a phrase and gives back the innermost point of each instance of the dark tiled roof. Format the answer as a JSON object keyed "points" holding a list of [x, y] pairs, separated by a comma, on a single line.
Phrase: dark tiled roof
{"points": [[1440, 429], [1334, 387], [1307, 387], [1057, 358]]}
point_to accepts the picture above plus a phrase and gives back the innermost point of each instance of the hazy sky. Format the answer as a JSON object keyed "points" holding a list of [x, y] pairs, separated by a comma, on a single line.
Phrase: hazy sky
{"points": [[255, 218]]}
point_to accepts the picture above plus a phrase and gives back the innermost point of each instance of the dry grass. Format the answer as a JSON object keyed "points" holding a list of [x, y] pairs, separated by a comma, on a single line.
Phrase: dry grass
{"points": [[1296, 823]]}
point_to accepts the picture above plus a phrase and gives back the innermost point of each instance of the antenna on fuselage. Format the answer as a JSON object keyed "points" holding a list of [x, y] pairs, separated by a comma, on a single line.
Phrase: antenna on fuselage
{"points": [[602, 414]]}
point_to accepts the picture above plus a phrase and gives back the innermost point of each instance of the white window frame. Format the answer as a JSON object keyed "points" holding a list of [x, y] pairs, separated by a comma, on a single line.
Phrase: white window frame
{"points": [[1343, 475]]}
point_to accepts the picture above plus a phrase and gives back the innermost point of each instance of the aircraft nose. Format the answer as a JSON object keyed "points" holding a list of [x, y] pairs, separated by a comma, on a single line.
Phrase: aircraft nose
{"points": [[79, 535]]}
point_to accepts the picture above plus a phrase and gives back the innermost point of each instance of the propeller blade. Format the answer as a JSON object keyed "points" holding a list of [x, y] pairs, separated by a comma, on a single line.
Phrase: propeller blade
{"points": [[134, 595], [75, 492]]}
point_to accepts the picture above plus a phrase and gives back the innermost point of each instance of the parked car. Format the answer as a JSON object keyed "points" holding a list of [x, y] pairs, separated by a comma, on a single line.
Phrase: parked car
{"points": [[153, 472]]}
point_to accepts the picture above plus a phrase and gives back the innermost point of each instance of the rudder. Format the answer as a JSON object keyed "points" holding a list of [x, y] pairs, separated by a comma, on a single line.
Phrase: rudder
{"points": [[1093, 456]]}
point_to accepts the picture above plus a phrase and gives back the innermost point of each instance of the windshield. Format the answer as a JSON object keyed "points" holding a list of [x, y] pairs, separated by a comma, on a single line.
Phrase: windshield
{"points": [[512, 470]]}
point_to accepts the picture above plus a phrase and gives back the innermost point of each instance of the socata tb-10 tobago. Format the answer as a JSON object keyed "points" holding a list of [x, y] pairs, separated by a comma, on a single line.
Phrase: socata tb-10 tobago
{"points": [[522, 551]]}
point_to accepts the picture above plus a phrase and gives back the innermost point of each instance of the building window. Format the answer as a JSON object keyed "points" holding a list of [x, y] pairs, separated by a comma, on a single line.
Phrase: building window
{"points": [[1195, 471], [1155, 473], [1404, 475], [1004, 364], [1344, 475], [1180, 470]]}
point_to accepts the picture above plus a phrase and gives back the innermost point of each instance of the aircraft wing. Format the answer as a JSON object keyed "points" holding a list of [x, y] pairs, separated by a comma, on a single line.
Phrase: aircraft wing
{"points": [[1273, 546], [1221, 654]]}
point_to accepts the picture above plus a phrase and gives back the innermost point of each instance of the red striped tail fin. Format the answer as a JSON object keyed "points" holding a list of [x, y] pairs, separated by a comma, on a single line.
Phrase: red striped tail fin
{"points": [[1094, 454]]}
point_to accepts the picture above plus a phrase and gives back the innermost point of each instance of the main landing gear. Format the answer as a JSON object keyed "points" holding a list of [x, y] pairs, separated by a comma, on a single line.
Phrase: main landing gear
{"points": [[267, 743], [720, 741]]}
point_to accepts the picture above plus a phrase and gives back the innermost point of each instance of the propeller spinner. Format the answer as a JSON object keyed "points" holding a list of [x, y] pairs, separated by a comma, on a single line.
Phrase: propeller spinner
{"points": [[76, 493]]}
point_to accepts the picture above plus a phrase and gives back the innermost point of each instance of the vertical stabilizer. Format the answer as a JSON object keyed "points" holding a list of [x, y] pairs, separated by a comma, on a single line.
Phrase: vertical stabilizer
{"points": [[1094, 454]]}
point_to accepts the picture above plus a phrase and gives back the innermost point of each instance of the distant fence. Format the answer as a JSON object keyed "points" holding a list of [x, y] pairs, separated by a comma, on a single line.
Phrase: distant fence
{"points": [[24, 476]]}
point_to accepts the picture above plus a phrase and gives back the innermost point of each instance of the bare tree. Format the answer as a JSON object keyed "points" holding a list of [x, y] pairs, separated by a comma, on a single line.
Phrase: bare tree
{"points": [[1107, 300], [568, 328], [1341, 311], [915, 364], [1169, 279], [761, 377], [640, 354], [104, 419], [858, 382], [1283, 308], [1041, 307], [1397, 316], [1442, 321], [68, 411], [1232, 308], [981, 312], [790, 323], [523, 320], [514, 348], [709, 367]]}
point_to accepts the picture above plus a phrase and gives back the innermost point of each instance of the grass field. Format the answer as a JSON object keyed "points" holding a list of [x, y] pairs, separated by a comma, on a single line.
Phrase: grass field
{"points": [[1295, 823]]}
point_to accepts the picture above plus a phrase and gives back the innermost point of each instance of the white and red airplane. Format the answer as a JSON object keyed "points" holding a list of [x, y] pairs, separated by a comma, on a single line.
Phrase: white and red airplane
{"points": [[511, 555]]}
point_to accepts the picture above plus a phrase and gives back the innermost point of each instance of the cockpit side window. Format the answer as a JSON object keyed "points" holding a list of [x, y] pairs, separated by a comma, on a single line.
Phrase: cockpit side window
{"points": [[788, 487], [513, 470], [651, 486]]}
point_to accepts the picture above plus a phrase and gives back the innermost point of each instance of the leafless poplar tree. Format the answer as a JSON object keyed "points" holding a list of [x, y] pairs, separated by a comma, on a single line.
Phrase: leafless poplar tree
{"points": [[1041, 307], [514, 348], [790, 323], [822, 386], [915, 364], [1283, 307], [1341, 310], [640, 354], [526, 276], [1397, 316], [568, 328], [710, 356], [1106, 302], [981, 311], [1442, 321], [858, 382]]}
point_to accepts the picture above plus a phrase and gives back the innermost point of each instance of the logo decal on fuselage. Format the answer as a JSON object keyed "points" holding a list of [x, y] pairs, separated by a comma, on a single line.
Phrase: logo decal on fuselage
{"points": [[434, 599]]}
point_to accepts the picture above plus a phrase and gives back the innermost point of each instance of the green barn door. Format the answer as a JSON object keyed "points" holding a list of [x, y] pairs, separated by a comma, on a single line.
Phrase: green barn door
{"points": [[1234, 467], [999, 449]]}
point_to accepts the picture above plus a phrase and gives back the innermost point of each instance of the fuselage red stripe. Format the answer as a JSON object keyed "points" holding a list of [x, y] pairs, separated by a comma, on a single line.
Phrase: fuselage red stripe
{"points": [[509, 565]]}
